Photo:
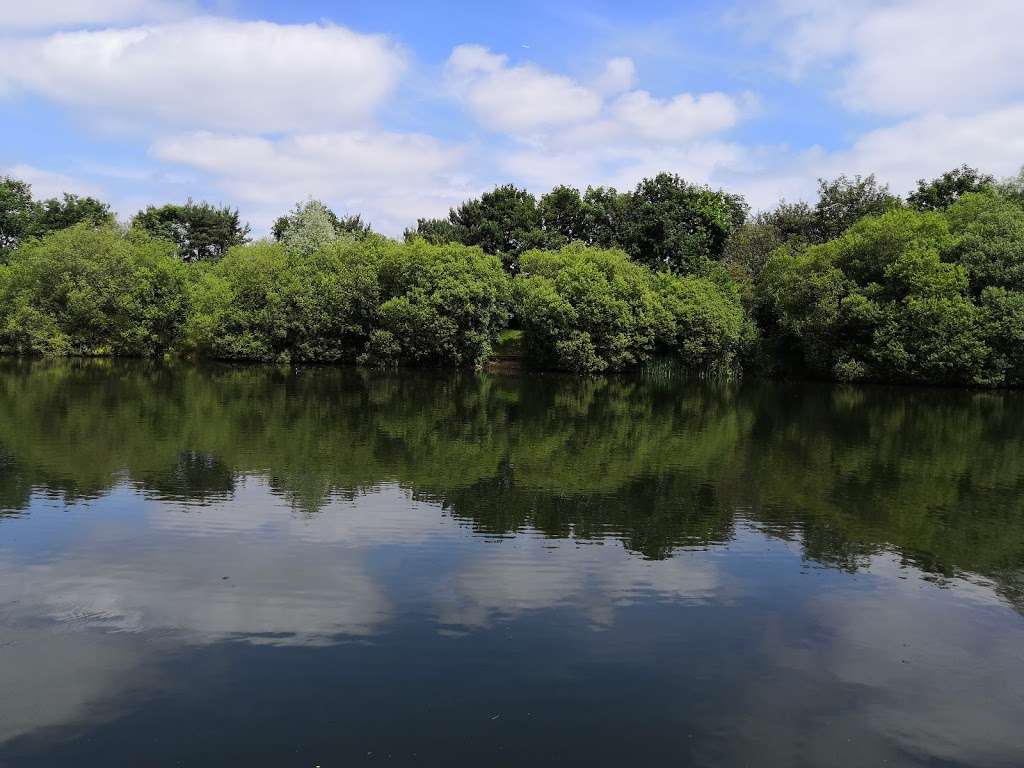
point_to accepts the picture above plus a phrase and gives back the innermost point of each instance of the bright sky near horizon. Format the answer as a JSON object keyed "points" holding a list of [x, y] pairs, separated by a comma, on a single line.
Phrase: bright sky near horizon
{"points": [[402, 109]]}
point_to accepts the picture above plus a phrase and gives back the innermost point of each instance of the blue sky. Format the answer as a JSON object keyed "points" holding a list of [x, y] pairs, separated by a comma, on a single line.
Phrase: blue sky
{"points": [[402, 109]]}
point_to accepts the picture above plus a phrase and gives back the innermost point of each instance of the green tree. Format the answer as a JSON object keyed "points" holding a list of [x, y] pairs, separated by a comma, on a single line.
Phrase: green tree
{"points": [[1002, 322], [320, 224], [942, 192], [90, 290], [374, 300], [589, 309], [307, 228], [1013, 187], [55, 214], [504, 222], [17, 213], [437, 232], [564, 217], [844, 201], [605, 211], [750, 245], [441, 305], [876, 303], [988, 232], [201, 232], [796, 222], [673, 225]]}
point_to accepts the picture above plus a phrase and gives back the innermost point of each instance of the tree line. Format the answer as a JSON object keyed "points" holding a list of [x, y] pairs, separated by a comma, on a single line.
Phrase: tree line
{"points": [[858, 285]]}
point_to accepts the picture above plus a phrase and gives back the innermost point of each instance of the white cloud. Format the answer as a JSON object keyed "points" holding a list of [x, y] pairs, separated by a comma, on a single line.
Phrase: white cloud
{"points": [[43, 14], [619, 75], [564, 132], [391, 178], [540, 574], [680, 118], [908, 56], [50, 183], [899, 154], [517, 99], [212, 73]]}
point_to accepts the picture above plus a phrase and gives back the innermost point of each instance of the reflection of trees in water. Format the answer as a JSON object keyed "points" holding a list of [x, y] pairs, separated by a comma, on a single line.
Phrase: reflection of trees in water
{"points": [[651, 515], [195, 476], [658, 462]]}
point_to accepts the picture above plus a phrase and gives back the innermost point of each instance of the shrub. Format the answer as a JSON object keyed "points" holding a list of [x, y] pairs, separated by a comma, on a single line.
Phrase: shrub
{"points": [[373, 300], [441, 304], [988, 240], [875, 303], [588, 309], [90, 290]]}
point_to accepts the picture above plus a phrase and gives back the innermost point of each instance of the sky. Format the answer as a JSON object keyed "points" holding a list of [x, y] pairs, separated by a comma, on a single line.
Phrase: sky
{"points": [[400, 110]]}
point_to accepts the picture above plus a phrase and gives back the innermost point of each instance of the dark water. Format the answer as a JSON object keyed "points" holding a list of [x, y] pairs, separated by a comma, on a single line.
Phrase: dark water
{"points": [[257, 567]]}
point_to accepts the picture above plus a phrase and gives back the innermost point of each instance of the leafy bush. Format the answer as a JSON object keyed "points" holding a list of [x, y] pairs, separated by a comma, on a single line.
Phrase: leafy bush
{"points": [[91, 291], [588, 309], [200, 231], [876, 303], [373, 300], [988, 240]]}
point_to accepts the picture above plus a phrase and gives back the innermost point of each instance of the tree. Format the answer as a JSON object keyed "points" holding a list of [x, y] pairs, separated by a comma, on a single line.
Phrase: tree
{"points": [[201, 232], [605, 210], [673, 225], [942, 192], [372, 300], [589, 309], [877, 303], [312, 225], [750, 245], [504, 222], [89, 290], [60, 213], [988, 231], [844, 201], [795, 222], [17, 213], [437, 232], [564, 216], [315, 210], [1013, 188]]}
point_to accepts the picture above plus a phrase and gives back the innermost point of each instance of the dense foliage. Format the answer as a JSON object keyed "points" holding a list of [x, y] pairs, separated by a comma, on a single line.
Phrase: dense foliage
{"points": [[312, 225], [904, 296], [201, 232], [89, 291], [23, 217], [588, 309], [858, 285], [652, 460], [665, 223], [374, 300]]}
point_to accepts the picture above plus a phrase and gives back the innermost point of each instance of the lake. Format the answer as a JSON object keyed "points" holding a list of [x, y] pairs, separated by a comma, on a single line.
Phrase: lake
{"points": [[259, 566]]}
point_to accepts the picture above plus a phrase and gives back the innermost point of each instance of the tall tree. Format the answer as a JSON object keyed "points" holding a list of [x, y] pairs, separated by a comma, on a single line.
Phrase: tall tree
{"points": [[564, 216], [945, 190], [505, 222], [314, 213], [844, 201], [17, 213], [605, 210], [61, 213], [673, 225], [201, 231], [437, 231]]}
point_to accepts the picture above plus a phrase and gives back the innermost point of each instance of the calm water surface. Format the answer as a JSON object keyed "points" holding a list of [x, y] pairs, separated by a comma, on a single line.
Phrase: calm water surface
{"points": [[329, 567]]}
